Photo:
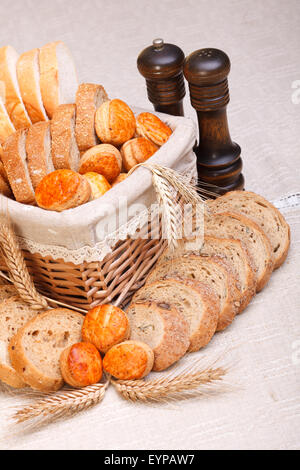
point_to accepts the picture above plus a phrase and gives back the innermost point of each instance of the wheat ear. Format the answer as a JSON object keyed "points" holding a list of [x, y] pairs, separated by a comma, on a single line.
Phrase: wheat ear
{"points": [[60, 405], [169, 388], [16, 265]]}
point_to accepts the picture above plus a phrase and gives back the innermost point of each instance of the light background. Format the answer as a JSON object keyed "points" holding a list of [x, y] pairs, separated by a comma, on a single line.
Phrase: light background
{"points": [[262, 38]]}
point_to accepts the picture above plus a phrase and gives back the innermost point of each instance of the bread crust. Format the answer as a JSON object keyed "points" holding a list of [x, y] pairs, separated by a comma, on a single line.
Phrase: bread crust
{"points": [[89, 97], [14, 103], [62, 190], [136, 151], [4, 188], [10, 377], [81, 365], [105, 326], [115, 122], [99, 184], [149, 125], [25, 368], [63, 138], [27, 79], [104, 159], [176, 333], [278, 258], [6, 126], [49, 77], [15, 168], [38, 165], [130, 360]]}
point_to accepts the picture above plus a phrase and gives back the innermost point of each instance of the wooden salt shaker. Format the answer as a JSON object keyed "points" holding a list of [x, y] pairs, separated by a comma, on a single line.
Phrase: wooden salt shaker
{"points": [[218, 158], [161, 65]]}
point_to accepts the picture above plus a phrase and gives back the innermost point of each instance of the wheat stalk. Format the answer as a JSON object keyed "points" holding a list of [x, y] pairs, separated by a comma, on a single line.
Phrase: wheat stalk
{"points": [[15, 263], [168, 387], [60, 405]]}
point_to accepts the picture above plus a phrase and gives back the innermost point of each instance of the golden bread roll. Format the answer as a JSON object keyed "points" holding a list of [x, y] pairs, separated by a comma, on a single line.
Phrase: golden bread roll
{"points": [[105, 326], [104, 159], [136, 151], [119, 179], [115, 122], [150, 126], [61, 190], [81, 365], [130, 360], [99, 184]]}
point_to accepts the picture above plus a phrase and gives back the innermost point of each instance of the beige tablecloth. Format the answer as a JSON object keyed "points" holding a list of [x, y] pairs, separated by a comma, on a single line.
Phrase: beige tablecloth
{"points": [[262, 39]]}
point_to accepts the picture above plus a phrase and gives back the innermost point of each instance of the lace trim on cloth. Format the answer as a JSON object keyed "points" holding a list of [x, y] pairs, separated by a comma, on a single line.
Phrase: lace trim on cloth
{"points": [[288, 202]]}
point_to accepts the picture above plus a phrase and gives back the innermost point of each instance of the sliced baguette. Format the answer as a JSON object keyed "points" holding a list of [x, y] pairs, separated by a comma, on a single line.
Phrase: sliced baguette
{"points": [[14, 159], [65, 153], [28, 73], [196, 301], [38, 149], [58, 77], [89, 98], [8, 74], [206, 270], [36, 349], [14, 314], [239, 227], [4, 188], [6, 126], [258, 209], [163, 328]]}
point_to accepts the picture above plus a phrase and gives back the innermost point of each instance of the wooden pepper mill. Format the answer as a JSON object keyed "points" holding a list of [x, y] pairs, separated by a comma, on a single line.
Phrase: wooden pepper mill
{"points": [[161, 65], [218, 158]]}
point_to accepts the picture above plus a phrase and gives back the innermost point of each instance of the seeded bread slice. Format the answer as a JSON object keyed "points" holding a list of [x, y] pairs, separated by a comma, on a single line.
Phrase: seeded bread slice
{"points": [[239, 227], [14, 159], [206, 270], [89, 98], [163, 328], [38, 149], [65, 153], [258, 209], [36, 349], [196, 301], [14, 314]]}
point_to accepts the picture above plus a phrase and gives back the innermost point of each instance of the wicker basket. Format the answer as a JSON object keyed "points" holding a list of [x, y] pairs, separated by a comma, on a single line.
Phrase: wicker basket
{"points": [[123, 270]]}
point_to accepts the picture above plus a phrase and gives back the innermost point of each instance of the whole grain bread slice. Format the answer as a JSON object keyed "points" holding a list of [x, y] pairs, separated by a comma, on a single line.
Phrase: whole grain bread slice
{"points": [[196, 301], [163, 328], [262, 212], [14, 314], [36, 349], [38, 149], [89, 98], [28, 73], [240, 227], [8, 74], [209, 271], [14, 159], [65, 153]]}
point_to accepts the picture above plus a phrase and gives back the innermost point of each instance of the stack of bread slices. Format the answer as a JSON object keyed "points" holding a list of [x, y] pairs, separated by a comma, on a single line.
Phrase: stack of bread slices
{"points": [[246, 238]]}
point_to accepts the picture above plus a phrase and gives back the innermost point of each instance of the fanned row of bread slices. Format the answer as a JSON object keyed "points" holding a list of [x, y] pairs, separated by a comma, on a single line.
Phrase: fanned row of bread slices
{"points": [[246, 238]]}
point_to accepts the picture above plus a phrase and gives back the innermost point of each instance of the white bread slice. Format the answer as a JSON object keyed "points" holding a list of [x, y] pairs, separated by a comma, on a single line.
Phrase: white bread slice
{"points": [[163, 328], [261, 211], [209, 271], [36, 349], [239, 227], [38, 149], [58, 77], [7, 291], [65, 153], [195, 300], [89, 98], [14, 314], [6, 126], [8, 74], [15, 163], [28, 73], [4, 183]]}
